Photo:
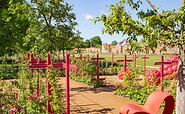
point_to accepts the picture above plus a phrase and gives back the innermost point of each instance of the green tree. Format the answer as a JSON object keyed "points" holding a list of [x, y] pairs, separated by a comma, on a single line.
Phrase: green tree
{"points": [[52, 27], [114, 43], [165, 28], [14, 22], [87, 43], [96, 41], [78, 42]]}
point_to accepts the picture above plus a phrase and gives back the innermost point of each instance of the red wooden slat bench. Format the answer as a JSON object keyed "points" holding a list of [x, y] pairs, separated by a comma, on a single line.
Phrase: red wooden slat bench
{"points": [[152, 104]]}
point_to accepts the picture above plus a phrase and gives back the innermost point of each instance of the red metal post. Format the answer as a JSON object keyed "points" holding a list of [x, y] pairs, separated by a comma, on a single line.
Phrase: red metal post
{"points": [[144, 67], [79, 57], [56, 65], [112, 60], [134, 60], [38, 79], [80, 73], [49, 63], [67, 84], [125, 62], [89, 57], [97, 65], [38, 85], [161, 70], [59, 72], [162, 63], [28, 56]]}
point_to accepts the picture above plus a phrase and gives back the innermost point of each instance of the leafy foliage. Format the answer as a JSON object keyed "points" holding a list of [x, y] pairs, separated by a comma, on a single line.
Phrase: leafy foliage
{"points": [[21, 95], [39, 26], [155, 28], [87, 43], [165, 29], [138, 89], [52, 25], [14, 22], [114, 43], [86, 73], [96, 41]]}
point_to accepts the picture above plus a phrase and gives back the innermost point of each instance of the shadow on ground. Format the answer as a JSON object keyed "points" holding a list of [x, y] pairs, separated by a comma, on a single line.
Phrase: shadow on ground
{"points": [[106, 88], [85, 110]]}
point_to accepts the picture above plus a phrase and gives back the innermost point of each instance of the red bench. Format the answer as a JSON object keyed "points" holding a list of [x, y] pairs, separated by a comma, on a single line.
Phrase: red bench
{"points": [[152, 104]]}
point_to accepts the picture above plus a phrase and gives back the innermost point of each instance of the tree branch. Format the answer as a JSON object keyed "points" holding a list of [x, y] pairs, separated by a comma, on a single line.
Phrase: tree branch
{"points": [[155, 9], [152, 6], [47, 23]]}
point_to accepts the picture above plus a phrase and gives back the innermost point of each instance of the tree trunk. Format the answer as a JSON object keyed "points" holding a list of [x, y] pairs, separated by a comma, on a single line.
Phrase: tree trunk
{"points": [[180, 93]]}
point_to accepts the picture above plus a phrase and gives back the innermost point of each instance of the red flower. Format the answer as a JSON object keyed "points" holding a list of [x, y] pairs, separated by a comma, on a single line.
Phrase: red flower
{"points": [[15, 106], [12, 111]]}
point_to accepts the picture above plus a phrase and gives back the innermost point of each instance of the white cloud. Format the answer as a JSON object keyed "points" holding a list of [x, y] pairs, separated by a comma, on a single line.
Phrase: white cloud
{"points": [[89, 17]]}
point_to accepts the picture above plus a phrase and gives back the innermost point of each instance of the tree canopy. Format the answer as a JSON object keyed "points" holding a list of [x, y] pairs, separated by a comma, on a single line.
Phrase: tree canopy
{"points": [[87, 43], [164, 28], [52, 25], [114, 43], [36, 25], [14, 22], [155, 28], [96, 41]]}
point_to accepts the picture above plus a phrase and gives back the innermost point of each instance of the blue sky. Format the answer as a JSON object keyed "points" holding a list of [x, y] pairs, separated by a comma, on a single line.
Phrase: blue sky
{"points": [[87, 9]]}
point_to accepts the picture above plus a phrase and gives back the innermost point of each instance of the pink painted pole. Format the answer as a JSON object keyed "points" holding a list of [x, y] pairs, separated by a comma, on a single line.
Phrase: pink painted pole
{"points": [[28, 56], [38, 79], [134, 60], [162, 68], [67, 85], [89, 57], [38, 85], [145, 64], [48, 89], [112, 60], [80, 56], [125, 62], [49, 86], [145, 57], [59, 72], [97, 67], [162, 63], [31, 56]]}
